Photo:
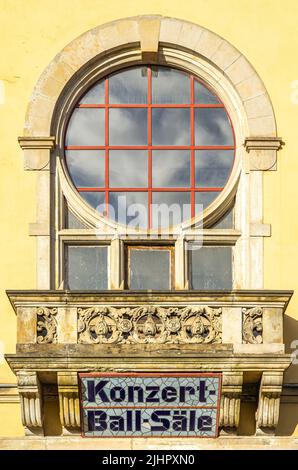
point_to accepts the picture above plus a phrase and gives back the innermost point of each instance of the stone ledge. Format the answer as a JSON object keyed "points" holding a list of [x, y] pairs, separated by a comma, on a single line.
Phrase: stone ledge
{"points": [[78, 443]]}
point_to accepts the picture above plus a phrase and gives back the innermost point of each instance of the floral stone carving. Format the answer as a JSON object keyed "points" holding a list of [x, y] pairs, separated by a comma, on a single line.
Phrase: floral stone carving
{"points": [[46, 325], [152, 324], [252, 325]]}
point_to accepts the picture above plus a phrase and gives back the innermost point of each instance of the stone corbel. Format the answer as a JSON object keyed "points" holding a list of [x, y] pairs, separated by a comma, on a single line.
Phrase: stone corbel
{"points": [[37, 152], [69, 402], [231, 390], [263, 152], [31, 402], [269, 401]]}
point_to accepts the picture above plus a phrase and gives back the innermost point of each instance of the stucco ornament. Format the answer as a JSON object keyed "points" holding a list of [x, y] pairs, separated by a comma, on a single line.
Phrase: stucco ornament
{"points": [[153, 324], [253, 325], [46, 325]]}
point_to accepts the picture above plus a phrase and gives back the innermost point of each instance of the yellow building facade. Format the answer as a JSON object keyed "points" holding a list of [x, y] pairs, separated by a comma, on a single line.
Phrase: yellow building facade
{"points": [[52, 52]]}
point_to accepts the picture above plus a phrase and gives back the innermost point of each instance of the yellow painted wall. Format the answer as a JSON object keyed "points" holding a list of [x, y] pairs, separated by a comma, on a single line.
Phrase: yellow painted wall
{"points": [[33, 31]]}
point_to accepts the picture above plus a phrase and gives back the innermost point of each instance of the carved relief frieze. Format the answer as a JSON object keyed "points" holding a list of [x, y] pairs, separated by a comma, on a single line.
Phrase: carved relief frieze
{"points": [[252, 328], [149, 324], [46, 325]]}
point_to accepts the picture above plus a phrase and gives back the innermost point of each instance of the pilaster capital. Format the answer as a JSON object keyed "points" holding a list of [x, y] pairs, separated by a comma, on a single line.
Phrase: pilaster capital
{"points": [[262, 152]]}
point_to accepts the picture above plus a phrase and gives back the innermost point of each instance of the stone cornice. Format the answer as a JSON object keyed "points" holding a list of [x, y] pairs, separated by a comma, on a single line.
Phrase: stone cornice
{"points": [[37, 142], [279, 298], [74, 358], [263, 143]]}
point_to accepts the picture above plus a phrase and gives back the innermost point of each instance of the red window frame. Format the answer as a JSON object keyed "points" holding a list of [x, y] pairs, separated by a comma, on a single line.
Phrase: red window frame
{"points": [[192, 189]]}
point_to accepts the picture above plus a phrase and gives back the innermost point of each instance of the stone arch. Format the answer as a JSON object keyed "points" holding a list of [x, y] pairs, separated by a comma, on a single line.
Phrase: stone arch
{"points": [[146, 33]]}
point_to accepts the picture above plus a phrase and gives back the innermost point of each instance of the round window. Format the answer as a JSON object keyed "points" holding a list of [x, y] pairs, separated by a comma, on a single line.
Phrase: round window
{"points": [[149, 146]]}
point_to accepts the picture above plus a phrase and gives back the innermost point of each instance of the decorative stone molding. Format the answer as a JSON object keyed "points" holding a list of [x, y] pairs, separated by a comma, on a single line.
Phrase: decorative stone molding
{"points": [[230, 402], [260, 230], [69, 401], [46, 325], [36, 152], [252, 325], [263, 152], [149, 29], [145, 33], [31, 402], [154, 324], [269, 400]]}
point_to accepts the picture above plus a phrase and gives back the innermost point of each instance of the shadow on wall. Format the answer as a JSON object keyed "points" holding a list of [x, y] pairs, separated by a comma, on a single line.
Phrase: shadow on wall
{"points": [[288, 416], [288, 419], [290, 338]]}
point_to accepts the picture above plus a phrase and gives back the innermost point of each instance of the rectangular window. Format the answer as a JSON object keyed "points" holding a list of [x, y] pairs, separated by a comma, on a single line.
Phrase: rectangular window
{"points": [[150, 268], [87, 267], [210, 268]]}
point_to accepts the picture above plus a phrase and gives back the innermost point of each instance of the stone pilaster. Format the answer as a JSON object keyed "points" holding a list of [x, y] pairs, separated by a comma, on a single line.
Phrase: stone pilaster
{"points": [[31, 402], [69, 402], [230, 402], [269, 400]]}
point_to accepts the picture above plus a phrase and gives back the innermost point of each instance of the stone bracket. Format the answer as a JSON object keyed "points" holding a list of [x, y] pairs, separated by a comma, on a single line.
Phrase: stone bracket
{"points": [[31, 402], [37, 152], [231, 390], [69, 401], [262, 150], [269, 401]]}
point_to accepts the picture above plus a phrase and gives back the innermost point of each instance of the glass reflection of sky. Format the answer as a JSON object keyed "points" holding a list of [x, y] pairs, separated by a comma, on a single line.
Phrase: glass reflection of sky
{"points": [[96, 94], [170, 126], [129, 86], [171, 168], [129, 208], [86, 127], [86, 167], [129, 126], [96, 199], [170, 208], [128, 168], [203, 95], [170, 86], [212, 167], [212, 127], [204, 199]]}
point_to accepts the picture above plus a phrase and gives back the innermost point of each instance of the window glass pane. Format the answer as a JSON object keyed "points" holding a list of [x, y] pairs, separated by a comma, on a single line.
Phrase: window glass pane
{"points": [[96, 199], [129, 86], [87, 267], [129, 208], [203, 95], [211, 267], [227, 221], [170, 168], [86, 127], [96, 94], [128, 168], [170, 126], [170, 86], [204, 199], [128, 126], [212, 127], [149, 269], [72, 221], [86, 167], [170, 208], [213, 167]]}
